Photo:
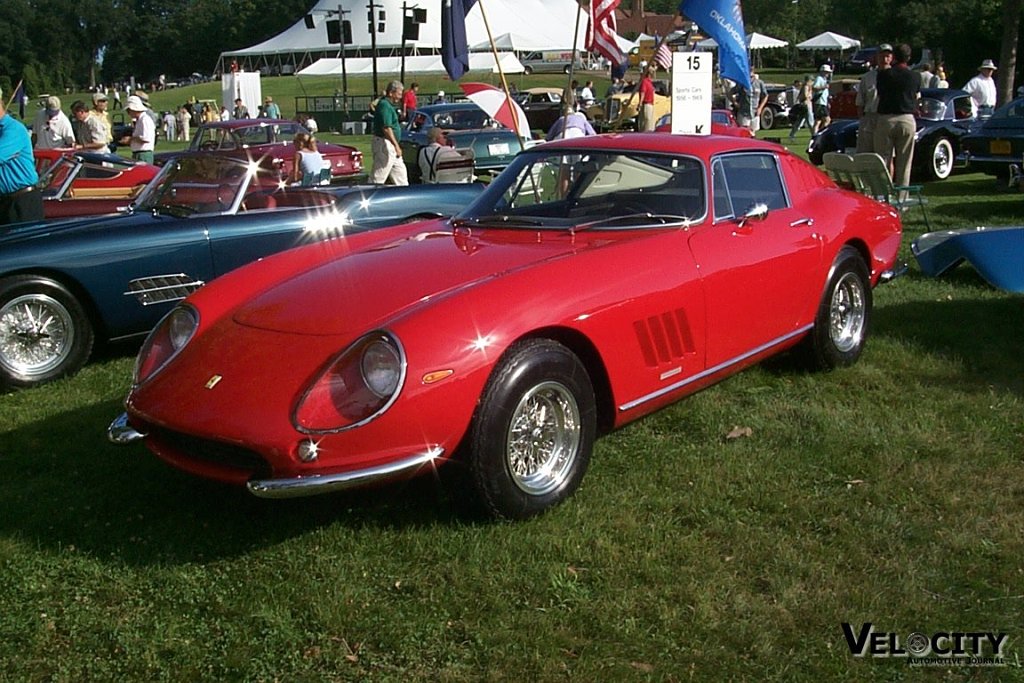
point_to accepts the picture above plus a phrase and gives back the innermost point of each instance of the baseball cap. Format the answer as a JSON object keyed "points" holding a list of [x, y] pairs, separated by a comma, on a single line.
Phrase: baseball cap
{"points": [[885, 47], [135, 104], [98, 97]]}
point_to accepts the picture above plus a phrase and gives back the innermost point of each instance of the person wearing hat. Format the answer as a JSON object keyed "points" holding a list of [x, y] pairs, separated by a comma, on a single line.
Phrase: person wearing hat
{"points": [[143, 138], [821, 96], [99, 112], [867, 99], [20, 199], [52, 127], [982, 89], [441, 98]]}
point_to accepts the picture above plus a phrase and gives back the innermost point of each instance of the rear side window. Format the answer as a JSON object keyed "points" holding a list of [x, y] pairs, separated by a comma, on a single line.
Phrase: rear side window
{"points": [[740, 181]]}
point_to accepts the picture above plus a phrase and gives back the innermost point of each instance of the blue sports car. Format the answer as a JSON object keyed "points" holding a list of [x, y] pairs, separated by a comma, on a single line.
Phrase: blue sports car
{"points": [[65, 285]]}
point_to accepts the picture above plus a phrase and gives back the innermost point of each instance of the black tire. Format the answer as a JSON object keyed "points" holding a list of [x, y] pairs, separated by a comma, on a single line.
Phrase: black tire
{"points": [[844, 315], [767, 118], [44, 331], [527, 70], [533, 432], [938, 161], [567, 70]]}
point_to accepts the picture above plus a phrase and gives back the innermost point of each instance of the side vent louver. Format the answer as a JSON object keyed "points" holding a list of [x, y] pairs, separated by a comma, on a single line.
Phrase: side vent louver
{"points": [[160, 288], [664, 338]]}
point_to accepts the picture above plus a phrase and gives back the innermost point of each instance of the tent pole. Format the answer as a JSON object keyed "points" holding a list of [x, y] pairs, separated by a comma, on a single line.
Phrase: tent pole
{"points": [[501, 73], [572, 66]]}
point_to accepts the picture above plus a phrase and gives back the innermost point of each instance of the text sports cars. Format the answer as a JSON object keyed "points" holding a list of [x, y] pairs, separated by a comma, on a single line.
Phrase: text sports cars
{"points": [[67, 283], [594, 281]]}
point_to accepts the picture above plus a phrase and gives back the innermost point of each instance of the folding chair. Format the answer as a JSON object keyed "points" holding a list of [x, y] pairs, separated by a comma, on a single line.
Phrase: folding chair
{"points": [[872, 171], [840, 168]]}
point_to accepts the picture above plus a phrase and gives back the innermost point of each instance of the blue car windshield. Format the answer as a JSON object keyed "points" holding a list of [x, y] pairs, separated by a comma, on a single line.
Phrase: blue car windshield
{"points": [[199, 184], [549, 188]]}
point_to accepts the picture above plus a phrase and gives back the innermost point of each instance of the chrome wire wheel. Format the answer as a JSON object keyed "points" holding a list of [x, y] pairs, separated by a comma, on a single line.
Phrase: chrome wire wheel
{"points": [[37, 334], [543, 438], [847, 313]]}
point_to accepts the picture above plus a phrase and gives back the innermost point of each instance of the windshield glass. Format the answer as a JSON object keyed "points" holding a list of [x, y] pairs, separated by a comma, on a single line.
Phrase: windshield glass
{"points": [[614, 189], [930, 109], [199, 184], [52, 181]]}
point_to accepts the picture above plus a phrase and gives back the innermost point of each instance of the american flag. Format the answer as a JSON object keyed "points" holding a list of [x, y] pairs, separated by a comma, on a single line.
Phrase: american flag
{"points": [[602, 31], [663, 56]]}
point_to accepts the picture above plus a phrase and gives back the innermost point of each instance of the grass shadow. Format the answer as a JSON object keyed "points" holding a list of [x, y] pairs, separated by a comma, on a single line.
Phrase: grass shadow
{"points": [[65, 488], [984, 334]]}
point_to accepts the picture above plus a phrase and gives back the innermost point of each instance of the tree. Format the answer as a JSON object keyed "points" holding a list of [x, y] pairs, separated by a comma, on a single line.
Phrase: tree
{"points": [[1008, 51]]}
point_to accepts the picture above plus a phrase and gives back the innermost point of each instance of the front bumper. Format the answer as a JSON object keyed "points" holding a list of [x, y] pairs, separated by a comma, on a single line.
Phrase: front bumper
{"points": [[122, 433]]}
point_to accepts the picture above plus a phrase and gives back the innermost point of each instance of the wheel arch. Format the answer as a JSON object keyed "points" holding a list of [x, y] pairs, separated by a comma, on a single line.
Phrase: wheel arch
{"points": [[590, 357], [75, 288]]}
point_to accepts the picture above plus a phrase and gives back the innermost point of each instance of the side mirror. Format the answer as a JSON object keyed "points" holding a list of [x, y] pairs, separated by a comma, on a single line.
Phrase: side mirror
{"points": [[757, 212]]}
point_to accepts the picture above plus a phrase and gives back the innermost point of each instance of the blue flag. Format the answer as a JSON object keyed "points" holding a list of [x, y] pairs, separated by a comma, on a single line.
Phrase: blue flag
{"points": [[454, 49], [723, 21]]}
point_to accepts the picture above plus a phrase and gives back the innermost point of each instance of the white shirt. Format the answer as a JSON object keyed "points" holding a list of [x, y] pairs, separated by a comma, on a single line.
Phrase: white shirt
{"points": [[146, 130], [53, 133], [432, 155], [982, 90]]}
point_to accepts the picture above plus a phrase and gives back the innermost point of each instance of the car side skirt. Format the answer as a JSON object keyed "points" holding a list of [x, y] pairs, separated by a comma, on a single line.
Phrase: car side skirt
{"points": [[721, 367]]}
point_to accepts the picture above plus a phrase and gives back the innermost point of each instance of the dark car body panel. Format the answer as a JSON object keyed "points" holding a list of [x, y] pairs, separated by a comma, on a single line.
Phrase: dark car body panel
{"points": [[998, 141]]}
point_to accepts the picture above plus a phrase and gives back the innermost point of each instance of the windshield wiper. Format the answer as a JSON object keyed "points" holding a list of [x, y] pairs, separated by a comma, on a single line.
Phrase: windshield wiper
{"points": [[498, 219], [637, 218]]}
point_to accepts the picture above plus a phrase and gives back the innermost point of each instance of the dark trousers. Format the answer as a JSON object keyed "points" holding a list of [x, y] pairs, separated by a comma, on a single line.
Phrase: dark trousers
{"points": [[21, 206]]}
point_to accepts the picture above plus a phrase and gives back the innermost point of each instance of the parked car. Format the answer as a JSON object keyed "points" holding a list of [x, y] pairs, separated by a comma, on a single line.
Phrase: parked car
{"points": [[65, 284], [550, 61], [269, 140], [944, 117], [998, 141], [860, 62], [594, 281], [620, 111], [469, 129], [775, 113], [88, 183], [542, 106], [723, 122]]}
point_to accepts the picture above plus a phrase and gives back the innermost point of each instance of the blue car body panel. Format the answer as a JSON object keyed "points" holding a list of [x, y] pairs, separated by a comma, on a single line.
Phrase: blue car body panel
{"points": [[996, 253]]}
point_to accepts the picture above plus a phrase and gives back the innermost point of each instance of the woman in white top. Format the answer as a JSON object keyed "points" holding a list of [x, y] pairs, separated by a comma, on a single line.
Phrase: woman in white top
{"points": [[308, 161]]}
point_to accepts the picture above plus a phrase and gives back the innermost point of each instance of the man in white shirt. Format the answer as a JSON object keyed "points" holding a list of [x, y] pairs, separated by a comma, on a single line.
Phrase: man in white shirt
{"points": [[143, 137], [867, 99], [436, 151], [52, 127], [982, 89]]}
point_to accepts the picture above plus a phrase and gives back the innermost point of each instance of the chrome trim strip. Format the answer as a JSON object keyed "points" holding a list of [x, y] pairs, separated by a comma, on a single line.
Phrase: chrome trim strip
{"points": [[122, 433], [711, 371], [295, 487]]}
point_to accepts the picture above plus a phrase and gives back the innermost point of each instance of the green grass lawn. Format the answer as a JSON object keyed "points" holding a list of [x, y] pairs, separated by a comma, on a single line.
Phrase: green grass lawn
{"points": [[889, 492]]}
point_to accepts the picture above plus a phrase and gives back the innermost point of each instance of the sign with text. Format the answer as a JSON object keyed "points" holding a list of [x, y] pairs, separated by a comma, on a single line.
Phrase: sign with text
{"points": [[691, 93]]}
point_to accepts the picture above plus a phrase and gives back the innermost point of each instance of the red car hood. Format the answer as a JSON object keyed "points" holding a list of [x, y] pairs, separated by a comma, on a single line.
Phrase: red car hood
{"points": [[364, 289]]}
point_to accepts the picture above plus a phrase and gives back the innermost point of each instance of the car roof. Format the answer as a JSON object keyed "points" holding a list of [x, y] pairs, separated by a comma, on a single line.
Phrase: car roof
{"points": [[448, 106], [944, 94], [697, 145]]}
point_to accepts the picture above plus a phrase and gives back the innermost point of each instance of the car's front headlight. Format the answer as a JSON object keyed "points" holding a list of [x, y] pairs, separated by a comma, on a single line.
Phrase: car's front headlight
{"points": [[355, 387], [165, 341]]}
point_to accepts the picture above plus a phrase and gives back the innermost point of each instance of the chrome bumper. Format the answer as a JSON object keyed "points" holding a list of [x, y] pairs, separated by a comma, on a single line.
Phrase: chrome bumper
{"points": [[122, 433], [899, 270], [327, 483]]}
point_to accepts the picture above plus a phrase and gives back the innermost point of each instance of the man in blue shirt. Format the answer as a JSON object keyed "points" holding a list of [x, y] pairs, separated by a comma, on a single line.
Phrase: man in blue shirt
{"points": [[20, 200]]}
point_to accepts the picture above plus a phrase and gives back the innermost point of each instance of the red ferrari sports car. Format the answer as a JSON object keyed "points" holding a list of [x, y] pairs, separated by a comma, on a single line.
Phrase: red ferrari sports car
{"points": [[593, 282]]}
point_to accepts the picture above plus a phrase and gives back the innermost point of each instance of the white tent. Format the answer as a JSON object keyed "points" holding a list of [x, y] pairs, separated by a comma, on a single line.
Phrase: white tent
{"points": [[331, 66], [755, 41], [524, 24], [828, 41]]}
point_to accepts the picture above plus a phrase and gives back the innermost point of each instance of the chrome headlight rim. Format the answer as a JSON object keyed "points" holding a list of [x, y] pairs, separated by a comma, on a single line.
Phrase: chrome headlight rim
{"points": [[366, 340], [164, 327]]}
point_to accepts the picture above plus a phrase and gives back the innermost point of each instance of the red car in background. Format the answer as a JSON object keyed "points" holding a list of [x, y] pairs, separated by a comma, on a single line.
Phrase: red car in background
{"points": [[593, 282], [88, 183], [268, 141], [723, 122]]}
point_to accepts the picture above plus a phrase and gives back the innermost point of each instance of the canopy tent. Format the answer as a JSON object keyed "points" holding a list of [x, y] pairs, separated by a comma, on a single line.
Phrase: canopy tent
{"points": [[828, 41], [755, 41], [524, 25], [483, 61]]}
